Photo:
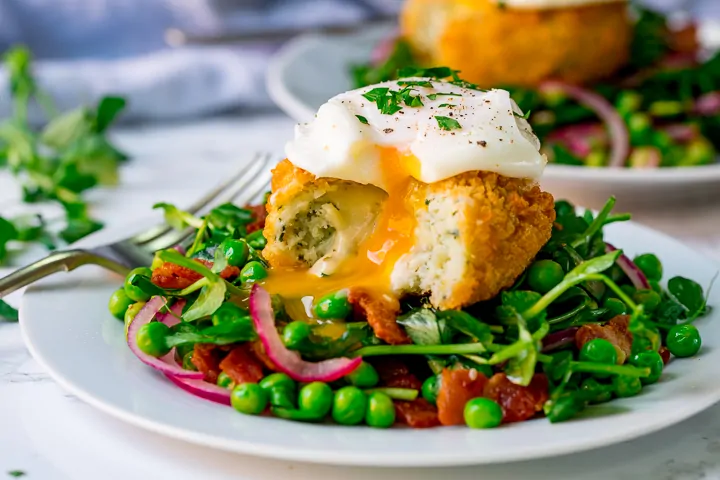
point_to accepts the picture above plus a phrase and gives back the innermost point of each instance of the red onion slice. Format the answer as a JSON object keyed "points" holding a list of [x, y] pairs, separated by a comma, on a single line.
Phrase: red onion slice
{"points": [[708, 104], [636, 276], [288, 361], [559, 339], [166, 364], [172, 318], [619, 137], [203, 389], [580, 139]]}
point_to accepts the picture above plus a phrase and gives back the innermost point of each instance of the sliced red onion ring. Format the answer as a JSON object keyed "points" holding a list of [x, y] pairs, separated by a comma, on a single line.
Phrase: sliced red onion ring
{"points": [[708, 104], [636, 276], [579, 139], [166, 364], [180, 249], [202, 389], [286, 360], [172, 318], [619, 137], [682, 133], [559, 339]]}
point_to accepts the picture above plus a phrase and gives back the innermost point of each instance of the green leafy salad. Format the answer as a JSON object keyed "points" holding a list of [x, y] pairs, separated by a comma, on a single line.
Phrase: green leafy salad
{"points": [[661, 110], [584, 324]]}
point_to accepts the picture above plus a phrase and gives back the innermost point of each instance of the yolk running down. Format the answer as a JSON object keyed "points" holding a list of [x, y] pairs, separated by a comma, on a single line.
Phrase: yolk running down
{"points": [[392, 237]]}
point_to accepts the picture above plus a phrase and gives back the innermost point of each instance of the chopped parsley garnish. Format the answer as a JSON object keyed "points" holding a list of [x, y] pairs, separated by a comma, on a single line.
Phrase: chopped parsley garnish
{"points": [[415, 83], [447, 123], [447, 105], [433, 96], [525, 116], [16, 473], [390, 102], [362, 119]]}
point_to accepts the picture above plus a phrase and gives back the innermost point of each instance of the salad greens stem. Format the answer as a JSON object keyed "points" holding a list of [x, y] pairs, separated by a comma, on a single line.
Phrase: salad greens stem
{"points": [[193, 288], [407, 394], [588, 367], [596, 225], [172, 256], [198, 238], [457, 349]]}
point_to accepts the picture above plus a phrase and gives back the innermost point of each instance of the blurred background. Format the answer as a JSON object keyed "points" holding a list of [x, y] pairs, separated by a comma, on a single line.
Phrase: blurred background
{"points": [[87, 48]]}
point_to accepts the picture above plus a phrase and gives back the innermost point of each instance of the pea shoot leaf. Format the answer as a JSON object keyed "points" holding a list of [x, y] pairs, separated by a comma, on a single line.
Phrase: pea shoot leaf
{"points": [[687, 292], [422, 327], [178, 219], [8, 313], [465, 323], [240, 330], [592, 266]]}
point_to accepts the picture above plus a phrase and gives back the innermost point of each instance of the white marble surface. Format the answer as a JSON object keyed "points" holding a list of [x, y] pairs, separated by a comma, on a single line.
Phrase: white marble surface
{"points": [[50, 435]]}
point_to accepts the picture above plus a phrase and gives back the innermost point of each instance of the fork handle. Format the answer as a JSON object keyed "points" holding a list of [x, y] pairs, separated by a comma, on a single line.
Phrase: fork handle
{"points": [[62, 261]]}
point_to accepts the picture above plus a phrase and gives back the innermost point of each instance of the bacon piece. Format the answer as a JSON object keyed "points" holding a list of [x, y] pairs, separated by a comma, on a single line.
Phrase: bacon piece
{"points": [[242, 365], [259, 216], [171, 276], [664, 354], [456, 388], [394, 373], [615, 331], [518, 403], [381, 313], [206, 358], [417, 414], [259, 352]]}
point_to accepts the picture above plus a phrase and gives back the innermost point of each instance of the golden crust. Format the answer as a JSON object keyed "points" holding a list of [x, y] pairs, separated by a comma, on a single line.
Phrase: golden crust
{"points": [[495, 46], [502, 229]]}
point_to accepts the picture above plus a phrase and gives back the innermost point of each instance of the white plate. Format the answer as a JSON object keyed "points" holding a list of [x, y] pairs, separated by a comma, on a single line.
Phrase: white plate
{"points": [[312, 68], [67, 327]]}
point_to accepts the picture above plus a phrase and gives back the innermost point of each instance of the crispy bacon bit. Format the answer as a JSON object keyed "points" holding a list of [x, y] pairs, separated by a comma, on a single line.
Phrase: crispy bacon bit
{"points": [[171, 276], [664, 354], [242, 365], [518, 403], [380, 313], [259, 351], [456, 388], [417, 414], [615, 332], [207, 358], [259, 216], [394, 373]]}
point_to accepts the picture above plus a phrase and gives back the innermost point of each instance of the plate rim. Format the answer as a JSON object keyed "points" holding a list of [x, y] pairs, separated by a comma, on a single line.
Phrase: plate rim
{"points": [[300, 111], [311, 455]]}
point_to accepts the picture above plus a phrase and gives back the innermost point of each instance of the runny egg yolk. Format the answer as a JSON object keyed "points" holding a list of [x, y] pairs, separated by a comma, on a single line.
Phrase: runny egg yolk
{"points": [[391, 238]]}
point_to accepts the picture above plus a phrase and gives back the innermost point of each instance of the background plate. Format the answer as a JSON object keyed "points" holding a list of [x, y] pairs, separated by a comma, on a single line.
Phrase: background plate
{"points": [[68, 329], [311, 69]]}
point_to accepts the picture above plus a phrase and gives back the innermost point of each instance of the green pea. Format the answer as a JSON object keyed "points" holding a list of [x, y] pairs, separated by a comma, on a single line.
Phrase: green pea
{"points": [[280, 389], [256, 240], [626, 386], [646, 339], [615, 307], [225, 381], [650, 266], [616, 273], [598, 350], [628, 289], [252, 272], [135, 293], [544, 275], [249, 398], [651, 360], [565, 407], [316, 397], [132, 312], [364, 376], [119, 303], [655, 287], [349, 406], [333, 306], [683, 340], [430, 388], [236, 252], [648, 299], [482, 413], [296, 334], [595, 392], [151, 339], [380, 411], [228, 312], [187, 363]]}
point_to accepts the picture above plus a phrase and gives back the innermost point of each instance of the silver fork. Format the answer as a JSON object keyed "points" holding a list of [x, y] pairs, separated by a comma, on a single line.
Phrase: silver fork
{"points": [[138, 250]]}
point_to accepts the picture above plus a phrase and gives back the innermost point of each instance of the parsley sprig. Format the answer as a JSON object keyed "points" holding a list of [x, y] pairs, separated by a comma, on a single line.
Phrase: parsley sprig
{"points": [[56, 163], [391, 101]]}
